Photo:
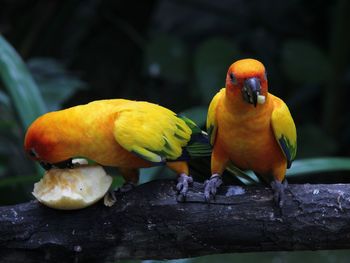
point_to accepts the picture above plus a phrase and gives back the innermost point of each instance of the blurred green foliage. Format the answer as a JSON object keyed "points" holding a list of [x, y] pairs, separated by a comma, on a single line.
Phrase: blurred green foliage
{"points": [[167, 57], [304, 62], [176, 53], [20, 85], [55, 83], [25, 102], [211, 60], [270, 257]]}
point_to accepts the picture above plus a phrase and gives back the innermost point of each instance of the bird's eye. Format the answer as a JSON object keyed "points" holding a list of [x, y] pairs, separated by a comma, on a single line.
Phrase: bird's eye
{"points": [[233, 78], [33, 153]]}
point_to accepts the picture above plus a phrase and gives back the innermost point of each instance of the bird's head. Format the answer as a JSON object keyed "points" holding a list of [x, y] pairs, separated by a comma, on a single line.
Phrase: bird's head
{"points": [[247, 78], [42, 145]]}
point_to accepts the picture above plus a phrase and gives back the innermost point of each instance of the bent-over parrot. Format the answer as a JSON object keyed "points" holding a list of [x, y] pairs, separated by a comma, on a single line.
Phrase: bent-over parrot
{"points": [[120, 133]]}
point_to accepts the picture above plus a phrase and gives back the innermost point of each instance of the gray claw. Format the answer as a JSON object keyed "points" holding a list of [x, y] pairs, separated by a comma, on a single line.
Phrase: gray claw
{"points": [[211, 186], [278, 189], [182, 184]]}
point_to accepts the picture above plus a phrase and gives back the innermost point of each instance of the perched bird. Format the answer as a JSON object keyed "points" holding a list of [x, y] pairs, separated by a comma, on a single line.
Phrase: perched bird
{"points": [[251, 129], [120, 133]]}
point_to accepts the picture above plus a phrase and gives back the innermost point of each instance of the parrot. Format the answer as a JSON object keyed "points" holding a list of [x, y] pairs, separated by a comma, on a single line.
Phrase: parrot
{"points": [[119, 133], [251, 129]]}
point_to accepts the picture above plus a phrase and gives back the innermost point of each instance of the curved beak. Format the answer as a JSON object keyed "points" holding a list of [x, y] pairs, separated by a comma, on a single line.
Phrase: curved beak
{"points": [[251, 90]]}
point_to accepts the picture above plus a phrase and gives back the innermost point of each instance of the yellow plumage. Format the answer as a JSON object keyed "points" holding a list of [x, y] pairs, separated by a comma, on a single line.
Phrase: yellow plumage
{"points": [[121, 133], [211, 117], [284, 129], [153, 132]]}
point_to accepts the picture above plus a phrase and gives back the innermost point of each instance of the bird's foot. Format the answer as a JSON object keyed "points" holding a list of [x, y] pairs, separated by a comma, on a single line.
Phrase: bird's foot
{"points": [[183, 182], [110, 199], [211, 186], [278, 189]]}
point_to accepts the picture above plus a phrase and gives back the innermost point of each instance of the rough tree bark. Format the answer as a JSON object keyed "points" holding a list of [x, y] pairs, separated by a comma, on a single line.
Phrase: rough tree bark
{"points": [[148, 223]]}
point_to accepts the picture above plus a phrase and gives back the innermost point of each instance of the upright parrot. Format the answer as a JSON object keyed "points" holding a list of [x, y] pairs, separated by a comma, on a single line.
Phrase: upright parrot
{"points": [[251, 129], [120, 133]]}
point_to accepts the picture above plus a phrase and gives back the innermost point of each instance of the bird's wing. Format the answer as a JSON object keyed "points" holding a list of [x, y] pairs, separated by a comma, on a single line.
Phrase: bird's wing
{"points": [[284, 130], [150, 131], [211, 117]]}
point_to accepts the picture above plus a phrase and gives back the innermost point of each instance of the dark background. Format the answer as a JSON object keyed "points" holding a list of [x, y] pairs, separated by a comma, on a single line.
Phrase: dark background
{"points": [[176, 53]]}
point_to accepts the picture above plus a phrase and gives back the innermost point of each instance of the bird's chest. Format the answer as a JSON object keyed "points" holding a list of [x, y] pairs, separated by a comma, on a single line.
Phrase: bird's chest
{"points": [[247, 140]]}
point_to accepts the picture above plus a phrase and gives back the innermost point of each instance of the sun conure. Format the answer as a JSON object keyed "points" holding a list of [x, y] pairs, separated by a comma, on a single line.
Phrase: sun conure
{"points": [[120, 133], [250, 128]]}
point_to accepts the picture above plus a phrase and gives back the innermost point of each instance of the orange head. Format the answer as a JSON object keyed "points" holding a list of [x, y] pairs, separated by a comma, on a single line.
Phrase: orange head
{"points": [[247, 78], [42, 144]]}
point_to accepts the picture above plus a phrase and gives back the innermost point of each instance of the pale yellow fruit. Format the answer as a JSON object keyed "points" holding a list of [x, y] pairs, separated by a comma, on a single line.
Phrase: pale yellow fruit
{"points": [[69, 189]]}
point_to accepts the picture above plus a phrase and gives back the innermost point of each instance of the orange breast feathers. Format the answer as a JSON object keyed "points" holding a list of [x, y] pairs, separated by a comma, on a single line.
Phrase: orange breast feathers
{"points": [[248, 139]]}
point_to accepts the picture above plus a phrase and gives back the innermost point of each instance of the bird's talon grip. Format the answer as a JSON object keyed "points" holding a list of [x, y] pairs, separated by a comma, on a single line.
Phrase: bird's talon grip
{"points": [[183, 182], [211, 186]]}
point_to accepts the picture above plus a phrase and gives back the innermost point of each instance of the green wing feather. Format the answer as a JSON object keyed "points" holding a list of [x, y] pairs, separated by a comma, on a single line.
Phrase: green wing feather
{"points": [[199, 145]]}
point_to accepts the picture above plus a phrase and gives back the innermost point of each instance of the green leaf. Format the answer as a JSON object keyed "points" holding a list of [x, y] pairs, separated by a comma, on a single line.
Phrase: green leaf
{"points": [[246, 177], [55, 82], [325, 256], [20, 85], [318, 165], [196, 114], [314, 142], [212, 59], [4, 99], [167, 57], [2, 170], [24, 179], [304, 62], [152, 173], [118, 181], [7, 120]]}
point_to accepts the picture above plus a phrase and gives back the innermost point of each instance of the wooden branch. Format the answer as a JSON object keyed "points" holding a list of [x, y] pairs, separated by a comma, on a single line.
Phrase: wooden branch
{"points": [[148, 223]]}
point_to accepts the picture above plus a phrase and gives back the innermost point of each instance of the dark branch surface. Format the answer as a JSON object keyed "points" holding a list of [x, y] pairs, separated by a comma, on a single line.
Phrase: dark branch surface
{"points": [[148, 223]]}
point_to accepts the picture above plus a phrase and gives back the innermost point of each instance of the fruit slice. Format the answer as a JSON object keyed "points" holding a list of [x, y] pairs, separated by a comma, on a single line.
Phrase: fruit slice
{"points": [[69, 189]]}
